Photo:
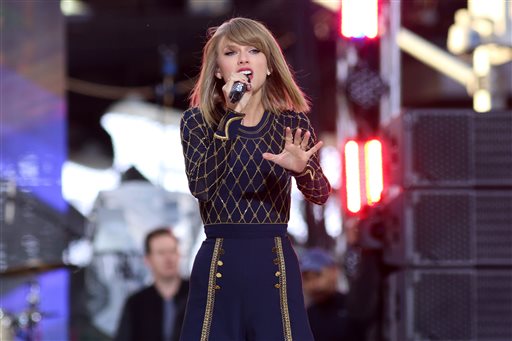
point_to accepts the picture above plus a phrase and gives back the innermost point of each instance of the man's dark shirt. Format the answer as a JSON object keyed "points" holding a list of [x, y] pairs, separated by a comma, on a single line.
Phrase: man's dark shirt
{"points": [[142, 317], [329, 319]]}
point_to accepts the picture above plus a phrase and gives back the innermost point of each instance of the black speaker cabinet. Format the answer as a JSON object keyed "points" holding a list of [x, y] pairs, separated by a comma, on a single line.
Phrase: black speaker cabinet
{"points": [[449, 148], [454, 227], [448, 305]]}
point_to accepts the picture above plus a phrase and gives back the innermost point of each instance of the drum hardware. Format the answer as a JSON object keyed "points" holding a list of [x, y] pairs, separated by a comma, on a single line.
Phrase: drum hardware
{"points": [[6, 326], [25, 325], [32, 267]]}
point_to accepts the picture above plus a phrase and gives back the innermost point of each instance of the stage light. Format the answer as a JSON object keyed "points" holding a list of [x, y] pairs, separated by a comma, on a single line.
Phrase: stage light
{"points": [[365, 87], [75, 8], [352, 177], [363, 174], [482, 101], [359, 19], [373, 171]]}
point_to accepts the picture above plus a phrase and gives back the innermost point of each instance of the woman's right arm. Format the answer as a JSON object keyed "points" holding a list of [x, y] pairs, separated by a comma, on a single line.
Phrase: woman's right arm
{"points": [[206, 151]]}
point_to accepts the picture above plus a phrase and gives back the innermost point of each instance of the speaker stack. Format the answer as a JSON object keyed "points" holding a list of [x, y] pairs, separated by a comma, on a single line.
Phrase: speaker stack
{"points": [[449, 230]]}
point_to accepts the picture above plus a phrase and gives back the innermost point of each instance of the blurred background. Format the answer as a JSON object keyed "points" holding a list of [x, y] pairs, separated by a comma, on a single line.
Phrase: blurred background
{"points": [[412, 98]]}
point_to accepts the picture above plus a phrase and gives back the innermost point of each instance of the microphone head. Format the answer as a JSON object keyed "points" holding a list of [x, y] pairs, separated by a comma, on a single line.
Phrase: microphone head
{"points": [[237, 91]]}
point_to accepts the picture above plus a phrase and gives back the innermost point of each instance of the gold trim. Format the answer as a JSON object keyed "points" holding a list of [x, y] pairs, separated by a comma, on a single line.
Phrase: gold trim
{"points": [[282, 291], [311, 174], [226, 128], [212, 286], [262, 123], [307, 171]]}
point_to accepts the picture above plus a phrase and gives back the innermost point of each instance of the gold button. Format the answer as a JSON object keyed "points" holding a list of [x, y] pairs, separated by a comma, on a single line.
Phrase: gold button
{"points": [[219, 275], [276, 261], [220, 263], [217, 287], [277, 286], [278, 273]]}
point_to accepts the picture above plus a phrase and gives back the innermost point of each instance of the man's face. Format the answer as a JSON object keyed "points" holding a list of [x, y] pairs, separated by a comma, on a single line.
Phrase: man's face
{"points": [[163, 258], [318, 286]]}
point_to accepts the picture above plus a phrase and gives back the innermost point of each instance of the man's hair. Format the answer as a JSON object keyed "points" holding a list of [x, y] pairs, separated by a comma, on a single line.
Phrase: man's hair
{"points": [[160, 231]]}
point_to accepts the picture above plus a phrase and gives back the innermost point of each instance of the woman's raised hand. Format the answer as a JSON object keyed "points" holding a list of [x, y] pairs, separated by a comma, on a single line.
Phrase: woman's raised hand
{"points": [[295, 154]]}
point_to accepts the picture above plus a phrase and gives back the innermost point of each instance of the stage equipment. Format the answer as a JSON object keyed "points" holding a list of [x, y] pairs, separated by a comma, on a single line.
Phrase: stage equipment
{"points": [[449, 148], [446, 305]]}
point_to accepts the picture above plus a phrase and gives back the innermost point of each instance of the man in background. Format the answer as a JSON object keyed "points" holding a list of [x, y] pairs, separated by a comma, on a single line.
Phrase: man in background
{"points": [[156, 312], [326, 304]]}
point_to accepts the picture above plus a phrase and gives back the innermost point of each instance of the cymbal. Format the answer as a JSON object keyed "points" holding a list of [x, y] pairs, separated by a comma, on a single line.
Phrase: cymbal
{"points": [[32, 267]]}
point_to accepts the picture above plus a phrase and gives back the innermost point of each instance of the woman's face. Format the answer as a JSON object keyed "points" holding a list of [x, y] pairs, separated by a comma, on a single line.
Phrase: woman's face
{"points": [[235, 58]]}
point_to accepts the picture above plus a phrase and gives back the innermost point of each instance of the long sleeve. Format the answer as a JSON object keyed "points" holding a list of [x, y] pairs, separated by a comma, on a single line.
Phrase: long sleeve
{"points": [[206, 151], [124, 327], [228, 174], [311, 181]]}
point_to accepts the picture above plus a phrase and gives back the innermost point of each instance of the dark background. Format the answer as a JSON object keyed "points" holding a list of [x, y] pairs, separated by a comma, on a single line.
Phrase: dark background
{"points": [[117, 44]]}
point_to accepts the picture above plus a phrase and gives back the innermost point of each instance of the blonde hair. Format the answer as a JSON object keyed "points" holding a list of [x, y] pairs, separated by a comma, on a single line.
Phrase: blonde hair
{"points": [[279, 93]]}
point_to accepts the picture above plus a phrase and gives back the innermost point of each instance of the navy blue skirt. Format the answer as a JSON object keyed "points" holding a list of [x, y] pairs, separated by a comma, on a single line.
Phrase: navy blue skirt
{"points": [[246, 285]]}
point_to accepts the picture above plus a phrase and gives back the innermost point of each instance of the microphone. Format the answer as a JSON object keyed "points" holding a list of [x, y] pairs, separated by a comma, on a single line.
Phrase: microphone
{"points": [[237, 91]]}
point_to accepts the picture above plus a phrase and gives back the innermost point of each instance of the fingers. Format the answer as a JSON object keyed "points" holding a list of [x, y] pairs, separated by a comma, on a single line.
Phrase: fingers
{"points": [[288, 135], [269, 156], [298, 139], [305, 141], [237, 77], [226, 89], [315, 148]]}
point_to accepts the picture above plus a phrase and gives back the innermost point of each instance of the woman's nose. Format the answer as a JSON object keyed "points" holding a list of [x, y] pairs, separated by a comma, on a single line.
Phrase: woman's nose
{"points": [[242, 59]]}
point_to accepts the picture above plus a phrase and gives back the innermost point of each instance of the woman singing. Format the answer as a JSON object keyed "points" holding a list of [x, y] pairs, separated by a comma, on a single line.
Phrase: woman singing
{"points": [[240, 155]]}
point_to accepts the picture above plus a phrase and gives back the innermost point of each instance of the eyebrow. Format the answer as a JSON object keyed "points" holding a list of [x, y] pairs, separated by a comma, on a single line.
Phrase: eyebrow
{"points": [[230, 46]]}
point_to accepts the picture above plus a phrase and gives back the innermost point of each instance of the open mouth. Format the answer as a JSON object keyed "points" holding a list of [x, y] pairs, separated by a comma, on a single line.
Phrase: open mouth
{"points": [[247, 73]]}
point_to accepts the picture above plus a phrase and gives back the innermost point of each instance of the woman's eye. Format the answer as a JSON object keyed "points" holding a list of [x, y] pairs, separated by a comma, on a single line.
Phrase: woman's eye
{"points": [[229, 53], [254, 51]]}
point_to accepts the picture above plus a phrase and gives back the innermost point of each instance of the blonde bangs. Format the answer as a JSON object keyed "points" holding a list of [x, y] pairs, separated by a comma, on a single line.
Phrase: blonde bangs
{"points": [[244, 34]]}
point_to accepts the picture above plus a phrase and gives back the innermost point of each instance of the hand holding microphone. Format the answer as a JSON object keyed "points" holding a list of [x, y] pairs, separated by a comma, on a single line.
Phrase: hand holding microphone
{"points": [[237, 91], [240, 84]]}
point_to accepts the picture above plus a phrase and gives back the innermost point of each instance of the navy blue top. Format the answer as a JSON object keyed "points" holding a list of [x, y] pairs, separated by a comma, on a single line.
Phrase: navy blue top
{"points": [[228, 175]]}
